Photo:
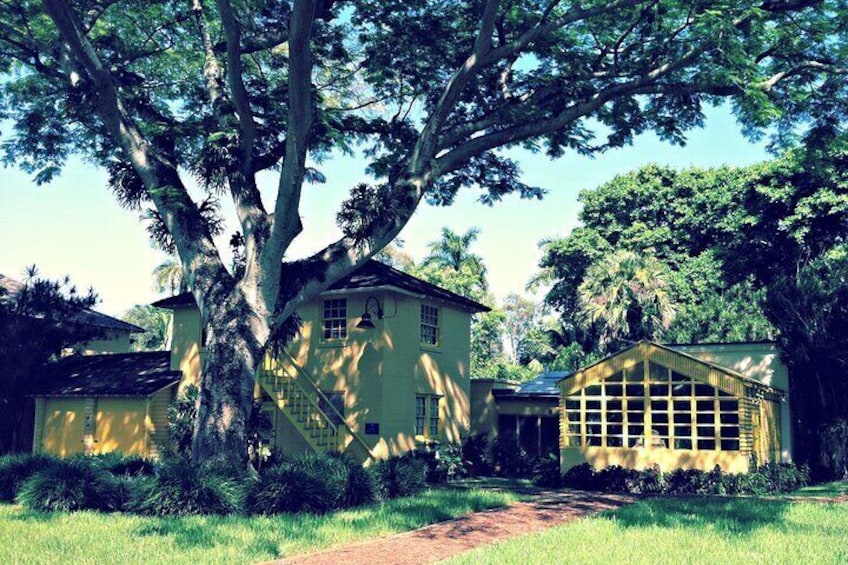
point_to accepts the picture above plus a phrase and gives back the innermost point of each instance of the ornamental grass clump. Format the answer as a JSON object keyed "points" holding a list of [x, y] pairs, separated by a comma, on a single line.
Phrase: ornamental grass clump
{"points": [[16, 469], [182, 489], [124, 465], [401, 476], [362, 486], [315, 483], [73, 484]]}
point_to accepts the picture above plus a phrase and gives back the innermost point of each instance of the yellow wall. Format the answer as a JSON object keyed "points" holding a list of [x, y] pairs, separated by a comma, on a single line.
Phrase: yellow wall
{"points": [[484, 411], [120, 426], [111, 342], [380, 371], [758, 361], [667, 459], [131, 425], [63, 426], [185, 343]]}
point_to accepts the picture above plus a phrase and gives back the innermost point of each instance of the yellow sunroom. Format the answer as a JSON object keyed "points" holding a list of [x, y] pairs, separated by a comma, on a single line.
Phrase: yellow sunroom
{"points": [[650, 404]]}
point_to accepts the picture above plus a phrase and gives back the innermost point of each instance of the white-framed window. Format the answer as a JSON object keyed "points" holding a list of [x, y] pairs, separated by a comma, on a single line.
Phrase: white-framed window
{"points": [[420, 414], [335, 318], [427, 415], [430, 325], [433, 420]]}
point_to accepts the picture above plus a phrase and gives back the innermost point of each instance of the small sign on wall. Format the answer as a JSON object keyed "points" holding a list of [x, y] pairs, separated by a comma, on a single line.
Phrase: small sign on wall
{"points": [[372, 429]]}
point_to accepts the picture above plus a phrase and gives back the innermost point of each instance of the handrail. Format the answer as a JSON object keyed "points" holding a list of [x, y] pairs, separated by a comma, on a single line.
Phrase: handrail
{"points": [[304, 377]]}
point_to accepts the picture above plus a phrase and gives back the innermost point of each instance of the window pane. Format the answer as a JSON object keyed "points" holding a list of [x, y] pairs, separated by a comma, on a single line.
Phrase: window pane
{"points": [[335, 319], [660, 405], [704, 418], [682, 443], [614, 390], [634, 390], [613, 405], [658, 372], [727, 418], [682, 431], [704, 390], [681, 389], [429, 325], [593, 440], [659, 390], [594, 390], [659, 417], [571, 404], [705, 405], [730, 445], [706, 444]]}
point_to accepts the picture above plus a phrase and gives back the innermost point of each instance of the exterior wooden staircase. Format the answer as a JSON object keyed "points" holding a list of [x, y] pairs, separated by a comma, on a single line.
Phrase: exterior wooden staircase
{"points": [[309, 410]]}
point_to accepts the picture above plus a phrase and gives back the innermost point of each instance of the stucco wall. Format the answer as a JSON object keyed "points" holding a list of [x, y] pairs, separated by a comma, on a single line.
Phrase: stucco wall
{"points": [[111, 342], [381, 370], [185, 343]]}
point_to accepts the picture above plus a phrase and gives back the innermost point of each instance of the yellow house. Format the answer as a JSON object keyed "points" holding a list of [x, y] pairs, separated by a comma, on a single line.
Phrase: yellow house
{"points": [[97, 404], [685, 406], [380, 366], [71, 408]]}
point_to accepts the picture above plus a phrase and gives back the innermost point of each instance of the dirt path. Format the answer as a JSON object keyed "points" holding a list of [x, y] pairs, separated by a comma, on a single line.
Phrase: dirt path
{"points": [[440, 541]]}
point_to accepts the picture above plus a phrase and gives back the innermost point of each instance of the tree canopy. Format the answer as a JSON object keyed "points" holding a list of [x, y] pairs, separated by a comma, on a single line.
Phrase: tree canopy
{"points": [[429, 91], [748, 253]]}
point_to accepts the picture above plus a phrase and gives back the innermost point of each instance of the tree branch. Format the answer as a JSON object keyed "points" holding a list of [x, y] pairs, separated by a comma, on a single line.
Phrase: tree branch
{"points": [[286, 222], [203, 266]]}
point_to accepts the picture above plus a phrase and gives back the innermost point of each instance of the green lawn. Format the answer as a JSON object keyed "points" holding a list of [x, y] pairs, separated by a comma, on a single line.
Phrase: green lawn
{"points": [[836, 488], [687, 530], [88, 537]]}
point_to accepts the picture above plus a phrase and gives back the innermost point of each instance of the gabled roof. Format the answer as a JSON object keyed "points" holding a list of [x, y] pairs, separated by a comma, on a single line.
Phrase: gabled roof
{"points": [[372, 274], [9, 287], [719, 376], [125, 374]]}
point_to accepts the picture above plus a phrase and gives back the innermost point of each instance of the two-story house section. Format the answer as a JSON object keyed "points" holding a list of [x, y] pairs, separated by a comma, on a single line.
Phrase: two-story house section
{"points": [[380, 366]]}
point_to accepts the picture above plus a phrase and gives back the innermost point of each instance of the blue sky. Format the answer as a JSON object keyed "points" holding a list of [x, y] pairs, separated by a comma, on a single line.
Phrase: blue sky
{"points": [[73, 226]]}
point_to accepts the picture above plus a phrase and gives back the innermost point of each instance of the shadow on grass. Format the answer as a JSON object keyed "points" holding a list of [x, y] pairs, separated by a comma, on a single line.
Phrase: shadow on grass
{"points": [[32, 516], [729, 515], [186, 533]]}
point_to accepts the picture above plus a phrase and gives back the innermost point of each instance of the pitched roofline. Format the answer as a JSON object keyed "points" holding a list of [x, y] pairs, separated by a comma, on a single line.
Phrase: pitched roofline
{"points": [[436, 292], [708, 364]]}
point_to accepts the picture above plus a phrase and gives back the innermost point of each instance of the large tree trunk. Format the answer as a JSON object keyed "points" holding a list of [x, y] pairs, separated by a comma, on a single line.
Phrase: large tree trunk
{"points": [[229, 366]]}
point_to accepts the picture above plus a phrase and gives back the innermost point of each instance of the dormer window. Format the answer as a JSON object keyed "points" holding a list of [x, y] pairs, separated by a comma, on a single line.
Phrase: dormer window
{"points": [[429, 325], [335, 318]]}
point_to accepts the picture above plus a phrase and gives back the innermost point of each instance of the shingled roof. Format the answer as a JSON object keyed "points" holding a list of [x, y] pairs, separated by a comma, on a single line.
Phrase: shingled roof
{"points": [[9, 287], [372, 274], [125, 374]]}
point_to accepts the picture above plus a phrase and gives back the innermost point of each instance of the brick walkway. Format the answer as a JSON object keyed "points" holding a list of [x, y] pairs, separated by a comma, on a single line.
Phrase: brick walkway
{"points": [[445, 539]]}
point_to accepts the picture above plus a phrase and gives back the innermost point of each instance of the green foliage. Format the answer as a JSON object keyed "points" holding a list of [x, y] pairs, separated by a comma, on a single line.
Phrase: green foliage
{"points": [[770, 478], [124, 465], [362, 487], [401, 476], [546, 471], [316, 483], [475, 453], [182, 489], [509, 459], [15, 469], [154, 321], [38, 320], [73, 484], [90, 537], [182, 414], [625, 297]]}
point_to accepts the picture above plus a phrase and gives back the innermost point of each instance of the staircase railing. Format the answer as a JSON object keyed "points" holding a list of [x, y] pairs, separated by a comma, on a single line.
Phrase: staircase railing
{"points": [[302, 397]]}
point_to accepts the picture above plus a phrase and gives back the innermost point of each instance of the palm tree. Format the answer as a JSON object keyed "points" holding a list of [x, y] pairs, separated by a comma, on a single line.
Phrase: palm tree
{"points": [[168, 277], [452, 252], [625, 297]]}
